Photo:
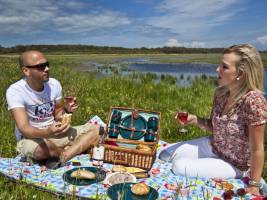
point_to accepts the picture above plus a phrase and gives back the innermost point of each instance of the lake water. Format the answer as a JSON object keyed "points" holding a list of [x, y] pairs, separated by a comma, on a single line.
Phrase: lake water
{"points": [[148, 65], [176, 70]]}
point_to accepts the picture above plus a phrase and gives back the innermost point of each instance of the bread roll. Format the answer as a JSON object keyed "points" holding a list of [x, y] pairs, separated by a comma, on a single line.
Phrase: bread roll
{"points": [[83, 174], [143, 148], [66, 118], [140, 189]]}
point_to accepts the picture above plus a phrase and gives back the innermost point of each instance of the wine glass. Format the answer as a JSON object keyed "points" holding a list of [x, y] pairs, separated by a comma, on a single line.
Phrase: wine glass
{"points": [[183, 117], [70, 99], [70, 103]]}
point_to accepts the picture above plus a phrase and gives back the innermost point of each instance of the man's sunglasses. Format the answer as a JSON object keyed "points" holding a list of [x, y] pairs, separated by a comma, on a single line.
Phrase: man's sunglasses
{"points": [[40, 66]]}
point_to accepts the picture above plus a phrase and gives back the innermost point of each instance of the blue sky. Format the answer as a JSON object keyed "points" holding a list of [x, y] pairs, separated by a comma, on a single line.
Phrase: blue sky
{"points": [[134, 23]]}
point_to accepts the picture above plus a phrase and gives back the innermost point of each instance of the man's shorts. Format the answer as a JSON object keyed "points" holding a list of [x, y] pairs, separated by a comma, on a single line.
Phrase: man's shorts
{"points": [[27, 146]]}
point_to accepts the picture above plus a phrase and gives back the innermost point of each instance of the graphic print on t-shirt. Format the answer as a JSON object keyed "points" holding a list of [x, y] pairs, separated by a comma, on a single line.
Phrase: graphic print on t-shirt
{"points": [[43, 111]]}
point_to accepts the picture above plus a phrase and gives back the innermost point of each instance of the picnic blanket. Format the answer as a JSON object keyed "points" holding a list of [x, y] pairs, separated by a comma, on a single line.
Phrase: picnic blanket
{"points": [[161, 178]]}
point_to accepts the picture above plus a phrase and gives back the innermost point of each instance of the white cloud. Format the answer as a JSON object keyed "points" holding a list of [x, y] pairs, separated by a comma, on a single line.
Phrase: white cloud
{"points": [[262, 40], [194, 44], [193, 18], [73, 5], [195, 7], [197, 44], [195, 23], [89, 22], [31, 17], [173, 43]]}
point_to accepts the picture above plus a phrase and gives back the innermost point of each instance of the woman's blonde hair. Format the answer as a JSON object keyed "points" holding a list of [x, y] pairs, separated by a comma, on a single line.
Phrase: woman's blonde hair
{"points": [[250, 64]]}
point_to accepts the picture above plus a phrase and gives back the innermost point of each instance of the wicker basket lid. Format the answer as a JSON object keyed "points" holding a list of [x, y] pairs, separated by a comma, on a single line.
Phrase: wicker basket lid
{"points": [[133, 128]]}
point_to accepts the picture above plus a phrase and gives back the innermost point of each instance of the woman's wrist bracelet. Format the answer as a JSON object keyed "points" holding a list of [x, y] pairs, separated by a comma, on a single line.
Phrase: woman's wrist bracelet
{"points": [[203, 125], [254, 183], [206, 123]]}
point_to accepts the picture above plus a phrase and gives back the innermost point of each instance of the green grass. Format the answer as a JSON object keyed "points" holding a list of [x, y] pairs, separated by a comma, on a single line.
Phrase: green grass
{"points": [[162, 58], [96, 96]]}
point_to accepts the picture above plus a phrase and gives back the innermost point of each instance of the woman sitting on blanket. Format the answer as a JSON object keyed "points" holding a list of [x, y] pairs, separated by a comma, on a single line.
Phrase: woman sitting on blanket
{"points": [[237, 122]]}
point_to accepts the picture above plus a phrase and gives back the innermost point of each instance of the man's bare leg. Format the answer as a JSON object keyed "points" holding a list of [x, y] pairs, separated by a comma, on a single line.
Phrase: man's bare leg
{"points": [[47, 150], [81, 144]]}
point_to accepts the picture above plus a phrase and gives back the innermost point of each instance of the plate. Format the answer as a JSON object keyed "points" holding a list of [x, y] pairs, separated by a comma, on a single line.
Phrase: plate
{"points": [[125, 190], [100, 176], [120, 177], [139, 124]]}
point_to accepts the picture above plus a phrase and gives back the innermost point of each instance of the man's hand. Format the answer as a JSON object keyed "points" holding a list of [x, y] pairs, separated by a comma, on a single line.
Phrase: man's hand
{"points": [[71, 104], [58, 129]]}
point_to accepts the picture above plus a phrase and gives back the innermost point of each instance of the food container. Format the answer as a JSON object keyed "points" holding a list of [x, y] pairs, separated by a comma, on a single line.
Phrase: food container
{"points": [[127, 128]]}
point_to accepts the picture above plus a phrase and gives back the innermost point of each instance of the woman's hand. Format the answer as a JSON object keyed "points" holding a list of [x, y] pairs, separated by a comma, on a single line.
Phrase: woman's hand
{"points": [[191, 119]]}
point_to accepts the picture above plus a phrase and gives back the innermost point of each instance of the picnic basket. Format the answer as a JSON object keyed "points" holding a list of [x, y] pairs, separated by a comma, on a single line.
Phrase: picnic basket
{"points": [[127, 130]]}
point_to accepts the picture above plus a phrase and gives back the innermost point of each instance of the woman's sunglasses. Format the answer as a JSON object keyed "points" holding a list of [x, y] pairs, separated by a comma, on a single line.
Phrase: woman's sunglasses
{"points": [[40, 66]]}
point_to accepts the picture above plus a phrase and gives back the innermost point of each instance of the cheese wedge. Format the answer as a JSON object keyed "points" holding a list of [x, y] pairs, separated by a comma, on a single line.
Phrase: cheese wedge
{"points": [[118, 168], [134, 170]]}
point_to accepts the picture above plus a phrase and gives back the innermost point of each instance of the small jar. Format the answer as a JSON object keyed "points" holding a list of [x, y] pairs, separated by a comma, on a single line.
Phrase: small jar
{"points": [[116, 117], [153, 123], [113, 131], [149, 136]]}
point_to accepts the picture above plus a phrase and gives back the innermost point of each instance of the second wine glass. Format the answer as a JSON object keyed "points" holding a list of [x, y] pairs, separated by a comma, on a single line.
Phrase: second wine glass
{"points": [[183, 116]]}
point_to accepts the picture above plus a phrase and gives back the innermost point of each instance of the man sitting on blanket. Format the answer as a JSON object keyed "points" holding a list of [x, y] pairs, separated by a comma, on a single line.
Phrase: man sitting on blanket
{"points": [[36, 105]]}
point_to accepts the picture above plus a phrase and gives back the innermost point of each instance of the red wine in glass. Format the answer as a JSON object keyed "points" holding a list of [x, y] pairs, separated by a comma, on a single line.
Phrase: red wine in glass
{"points": [[182, 115]]}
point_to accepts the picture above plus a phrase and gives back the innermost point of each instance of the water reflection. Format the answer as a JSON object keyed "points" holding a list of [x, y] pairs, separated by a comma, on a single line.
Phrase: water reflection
{"points": [[173, 69], [184, 73]]}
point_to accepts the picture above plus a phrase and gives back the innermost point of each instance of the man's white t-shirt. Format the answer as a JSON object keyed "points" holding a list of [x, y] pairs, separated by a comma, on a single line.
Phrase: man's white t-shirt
{"points": [[40, 106]]}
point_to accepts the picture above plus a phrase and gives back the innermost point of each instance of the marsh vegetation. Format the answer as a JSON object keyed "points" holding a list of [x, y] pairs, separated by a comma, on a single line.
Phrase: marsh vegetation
{"points": [[97, 94]]}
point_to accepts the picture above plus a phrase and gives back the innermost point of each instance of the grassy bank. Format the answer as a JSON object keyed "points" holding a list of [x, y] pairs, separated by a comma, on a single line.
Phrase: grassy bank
{"points": [[96, 96], [162, 58]]}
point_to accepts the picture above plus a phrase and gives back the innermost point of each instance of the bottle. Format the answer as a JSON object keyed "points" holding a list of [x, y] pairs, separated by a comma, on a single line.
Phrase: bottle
{"points": [[99, 150]]}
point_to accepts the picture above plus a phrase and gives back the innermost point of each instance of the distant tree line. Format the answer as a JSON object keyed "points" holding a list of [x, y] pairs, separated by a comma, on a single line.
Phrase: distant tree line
{"points": [[105, 49]]}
